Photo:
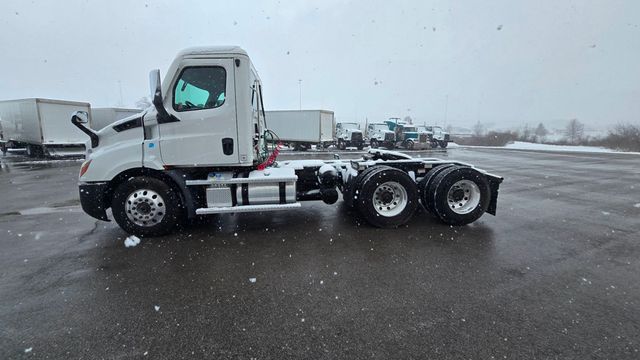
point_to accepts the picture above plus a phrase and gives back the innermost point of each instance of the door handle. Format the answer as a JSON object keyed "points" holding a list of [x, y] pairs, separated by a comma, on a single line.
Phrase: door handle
{"points": [[227, 146]]}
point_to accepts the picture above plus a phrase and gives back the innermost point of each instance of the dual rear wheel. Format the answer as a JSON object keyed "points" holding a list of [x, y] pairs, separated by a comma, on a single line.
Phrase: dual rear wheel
{"points": [[388, 197]]}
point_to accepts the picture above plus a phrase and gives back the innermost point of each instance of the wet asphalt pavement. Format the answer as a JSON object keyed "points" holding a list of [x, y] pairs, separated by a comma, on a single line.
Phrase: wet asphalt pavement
{"points": [[554, 276]]}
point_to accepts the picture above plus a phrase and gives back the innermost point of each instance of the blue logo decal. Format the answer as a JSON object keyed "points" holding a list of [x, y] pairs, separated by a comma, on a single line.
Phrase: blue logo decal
{"points": [[151, 145]]}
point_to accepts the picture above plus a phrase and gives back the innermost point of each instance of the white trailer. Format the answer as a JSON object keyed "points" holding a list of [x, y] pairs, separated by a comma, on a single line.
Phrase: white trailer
{"points": [[42, 126], [101, 117], [302, 128]]}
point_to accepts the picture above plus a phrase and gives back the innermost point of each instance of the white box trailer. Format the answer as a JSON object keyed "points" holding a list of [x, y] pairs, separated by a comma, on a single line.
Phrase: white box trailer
{"points": [[302, 128], [101, 117], [42, 126]]}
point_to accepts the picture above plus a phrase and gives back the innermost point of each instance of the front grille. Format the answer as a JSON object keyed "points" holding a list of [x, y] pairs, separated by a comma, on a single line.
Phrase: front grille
{"points": [[388, 137], [446, 137], [356, 137], [423, 138]]}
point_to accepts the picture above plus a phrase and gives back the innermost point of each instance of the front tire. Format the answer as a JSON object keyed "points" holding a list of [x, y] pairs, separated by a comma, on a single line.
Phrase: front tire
{"points": [[410, 145], [387, 198], [147, 206], [443, 144], [374, 144], [341, 144]]}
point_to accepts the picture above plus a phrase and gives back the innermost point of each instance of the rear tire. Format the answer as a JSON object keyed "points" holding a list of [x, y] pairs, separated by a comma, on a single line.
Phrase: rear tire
{"points": [[460, 195], [425, 186], [147, 206], [387, 197], [443, 144], [374, 144]]}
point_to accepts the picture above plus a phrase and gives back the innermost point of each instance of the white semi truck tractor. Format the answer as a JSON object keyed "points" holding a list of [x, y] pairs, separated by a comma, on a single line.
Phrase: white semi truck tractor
{"points": [[203, 149]]}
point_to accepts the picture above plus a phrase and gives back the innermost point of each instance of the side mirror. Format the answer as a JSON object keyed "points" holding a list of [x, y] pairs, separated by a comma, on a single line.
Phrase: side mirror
{"points": [[156, 98], [155, 86], [80, 117]]}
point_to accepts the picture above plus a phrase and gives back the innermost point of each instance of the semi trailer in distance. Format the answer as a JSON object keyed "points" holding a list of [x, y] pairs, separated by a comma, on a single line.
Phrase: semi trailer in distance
{"points": [[41, 126], [301, 129], [101, 117], [203, 148]]}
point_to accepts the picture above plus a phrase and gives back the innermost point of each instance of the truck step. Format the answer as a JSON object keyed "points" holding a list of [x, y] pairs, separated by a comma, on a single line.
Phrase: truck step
{"points": [[246, 208]]}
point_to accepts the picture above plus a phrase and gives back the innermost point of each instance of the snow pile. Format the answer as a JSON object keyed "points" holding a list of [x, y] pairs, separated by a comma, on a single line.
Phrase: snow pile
{"points": [[637, 205], [131, 241], [520, 145]]}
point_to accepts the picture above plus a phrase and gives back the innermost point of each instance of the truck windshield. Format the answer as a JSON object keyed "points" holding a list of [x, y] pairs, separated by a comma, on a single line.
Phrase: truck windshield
{"points": [[409, 129], [350, 126], [379, 127]]}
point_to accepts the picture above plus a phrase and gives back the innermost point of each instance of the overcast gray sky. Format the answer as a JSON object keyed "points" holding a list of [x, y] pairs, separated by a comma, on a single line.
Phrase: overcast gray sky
{"points": [[500, 62]]}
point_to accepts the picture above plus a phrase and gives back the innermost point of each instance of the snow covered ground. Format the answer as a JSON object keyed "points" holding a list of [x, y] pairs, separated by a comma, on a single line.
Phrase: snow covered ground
{"points": [[520, 145]]}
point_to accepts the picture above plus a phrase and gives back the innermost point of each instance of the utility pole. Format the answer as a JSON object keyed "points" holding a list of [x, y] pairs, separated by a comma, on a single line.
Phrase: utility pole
{"points": [[120, 87], [300, 93]]}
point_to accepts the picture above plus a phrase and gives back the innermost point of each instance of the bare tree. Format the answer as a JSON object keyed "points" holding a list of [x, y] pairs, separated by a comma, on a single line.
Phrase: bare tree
{"points": [[143, 103], [541, 132], [574, 131], [525, 135], [478, 129]]}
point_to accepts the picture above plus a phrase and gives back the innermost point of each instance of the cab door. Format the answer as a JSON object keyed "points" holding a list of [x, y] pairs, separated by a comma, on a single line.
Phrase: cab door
{"points": [[202, 99]]}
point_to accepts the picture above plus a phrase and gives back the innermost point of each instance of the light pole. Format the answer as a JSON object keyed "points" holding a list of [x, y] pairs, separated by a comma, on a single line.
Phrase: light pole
{"points": [[300, 93], [446, 107]]}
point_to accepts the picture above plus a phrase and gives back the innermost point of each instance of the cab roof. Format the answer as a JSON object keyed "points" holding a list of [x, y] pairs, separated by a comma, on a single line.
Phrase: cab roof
{"points": [[212, 50]]}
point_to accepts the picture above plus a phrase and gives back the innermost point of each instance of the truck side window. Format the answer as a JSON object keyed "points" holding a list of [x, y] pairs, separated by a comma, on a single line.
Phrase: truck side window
{"points": [[202, 87]]}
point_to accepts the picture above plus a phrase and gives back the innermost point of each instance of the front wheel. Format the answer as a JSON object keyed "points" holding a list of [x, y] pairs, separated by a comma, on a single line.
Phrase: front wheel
{"points": [[147, 206], [341, 144], [374, 144], [443, 144], [410, 145]]}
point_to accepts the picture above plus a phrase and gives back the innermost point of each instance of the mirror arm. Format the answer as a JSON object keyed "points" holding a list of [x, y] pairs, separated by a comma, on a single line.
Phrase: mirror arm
{"points": [[95, 140]]}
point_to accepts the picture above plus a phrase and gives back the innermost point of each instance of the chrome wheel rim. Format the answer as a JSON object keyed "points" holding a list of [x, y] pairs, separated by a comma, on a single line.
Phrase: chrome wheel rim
{"points": [[145, 207], [390, 198], [463, 197]]}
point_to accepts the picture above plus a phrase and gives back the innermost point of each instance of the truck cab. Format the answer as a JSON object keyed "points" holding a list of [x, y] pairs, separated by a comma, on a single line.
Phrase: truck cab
{"points": [[439, 137], [407, 135], [379, 134], [348, 134]]}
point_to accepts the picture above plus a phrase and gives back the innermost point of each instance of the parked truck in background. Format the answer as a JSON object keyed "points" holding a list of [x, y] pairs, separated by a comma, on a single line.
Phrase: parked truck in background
{"points": [[378, 134], [348, 134], [101, 117], [438, 136], [301, 129], [42, 126], [203, 150], [407, 135]]}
